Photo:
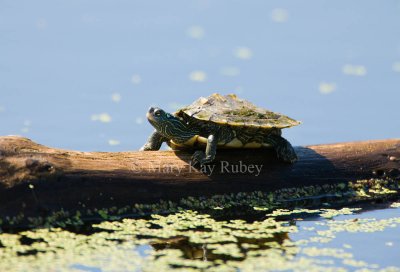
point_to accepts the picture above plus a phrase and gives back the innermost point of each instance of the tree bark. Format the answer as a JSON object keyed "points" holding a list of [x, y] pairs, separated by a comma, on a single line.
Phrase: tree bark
{"points": [[34, 177]]}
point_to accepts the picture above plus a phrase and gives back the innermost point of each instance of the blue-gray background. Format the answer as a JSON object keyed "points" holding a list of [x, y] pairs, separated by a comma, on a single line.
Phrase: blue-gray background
{"points": [[81, 74]]}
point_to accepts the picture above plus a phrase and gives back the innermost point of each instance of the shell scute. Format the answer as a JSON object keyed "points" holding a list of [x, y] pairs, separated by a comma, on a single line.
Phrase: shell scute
{"points": [[233, 111]]}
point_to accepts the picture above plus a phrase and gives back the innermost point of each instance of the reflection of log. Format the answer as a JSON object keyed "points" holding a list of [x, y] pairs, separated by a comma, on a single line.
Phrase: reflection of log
{"points": [[35, 178]]}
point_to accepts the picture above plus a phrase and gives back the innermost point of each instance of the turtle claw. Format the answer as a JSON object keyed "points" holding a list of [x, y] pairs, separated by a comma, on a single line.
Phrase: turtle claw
{"points": [[199, 157], [146, 147], [289, 158], [286, 153], [154, 142]]}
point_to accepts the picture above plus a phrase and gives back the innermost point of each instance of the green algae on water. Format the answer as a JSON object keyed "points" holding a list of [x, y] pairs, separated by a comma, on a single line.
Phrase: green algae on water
{"points": [[192, 241], [207, 234]]}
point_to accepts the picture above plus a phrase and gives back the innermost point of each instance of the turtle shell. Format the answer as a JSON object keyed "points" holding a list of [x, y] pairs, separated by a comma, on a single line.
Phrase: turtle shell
{"points": [[233, 111]]}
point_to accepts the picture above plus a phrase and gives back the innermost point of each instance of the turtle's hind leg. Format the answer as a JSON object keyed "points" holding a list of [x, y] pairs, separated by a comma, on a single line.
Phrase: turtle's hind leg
{"points": [[284, 150], [211, 149]]}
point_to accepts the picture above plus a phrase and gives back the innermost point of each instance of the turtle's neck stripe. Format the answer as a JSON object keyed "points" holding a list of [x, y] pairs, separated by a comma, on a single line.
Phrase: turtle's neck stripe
{"points": [[177, 130]]}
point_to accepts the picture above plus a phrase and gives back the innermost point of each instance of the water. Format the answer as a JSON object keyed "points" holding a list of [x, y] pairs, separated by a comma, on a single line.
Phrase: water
{"points": [[295, 240], [81, 75], [332, 65]]}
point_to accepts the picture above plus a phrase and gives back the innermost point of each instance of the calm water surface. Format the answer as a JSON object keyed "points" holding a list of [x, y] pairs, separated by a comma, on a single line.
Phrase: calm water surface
{"points": [[81, 75]]}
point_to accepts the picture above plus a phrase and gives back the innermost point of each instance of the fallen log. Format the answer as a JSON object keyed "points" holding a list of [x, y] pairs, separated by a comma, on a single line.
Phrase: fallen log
{"points": [[35, 179]]}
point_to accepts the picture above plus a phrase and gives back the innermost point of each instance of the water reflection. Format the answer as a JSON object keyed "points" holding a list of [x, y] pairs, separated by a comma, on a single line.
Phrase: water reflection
{"points": [[291, 239], [60, 65], [205, 252]]}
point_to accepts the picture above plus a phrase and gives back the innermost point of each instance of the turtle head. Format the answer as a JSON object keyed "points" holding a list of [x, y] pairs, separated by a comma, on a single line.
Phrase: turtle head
{"points": [[169, 125]]}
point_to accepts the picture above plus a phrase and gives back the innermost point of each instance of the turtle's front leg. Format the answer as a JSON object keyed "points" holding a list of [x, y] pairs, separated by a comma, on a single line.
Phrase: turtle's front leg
{"points": [[211, 150], [284, 150], [154, 142]]}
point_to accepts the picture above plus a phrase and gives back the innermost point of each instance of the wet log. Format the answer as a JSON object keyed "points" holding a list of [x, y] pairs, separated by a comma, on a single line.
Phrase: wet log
{"points": [[35, 178]]}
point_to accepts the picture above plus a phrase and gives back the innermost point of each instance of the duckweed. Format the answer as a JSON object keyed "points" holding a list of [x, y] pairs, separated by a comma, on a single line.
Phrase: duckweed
{"points": [[192, 241], [192, 238]]}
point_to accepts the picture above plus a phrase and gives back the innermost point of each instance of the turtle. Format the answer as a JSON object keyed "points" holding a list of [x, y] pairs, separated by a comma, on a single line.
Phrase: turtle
{"points": [[220, 121]]}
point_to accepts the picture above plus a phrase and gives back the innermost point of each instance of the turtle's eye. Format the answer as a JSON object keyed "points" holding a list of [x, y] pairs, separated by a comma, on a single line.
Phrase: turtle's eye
{"points": [[157, 113]]}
